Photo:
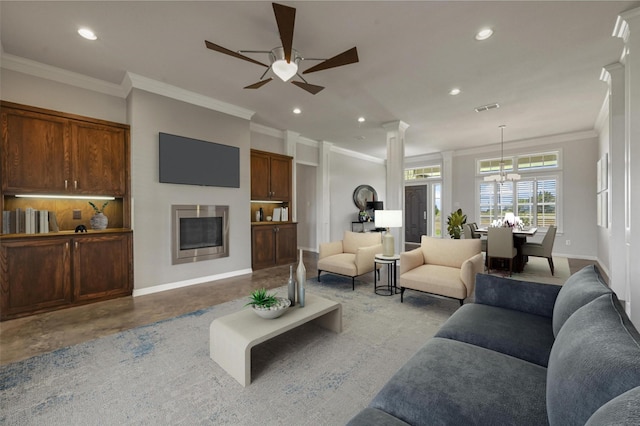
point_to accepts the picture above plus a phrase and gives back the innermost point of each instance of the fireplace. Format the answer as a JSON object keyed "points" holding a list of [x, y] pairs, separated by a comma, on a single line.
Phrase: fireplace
{"points": [[199, 233]]}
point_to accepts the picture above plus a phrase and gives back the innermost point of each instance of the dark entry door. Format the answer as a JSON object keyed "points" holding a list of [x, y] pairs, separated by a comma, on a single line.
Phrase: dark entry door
{"points": [[415, 216]]}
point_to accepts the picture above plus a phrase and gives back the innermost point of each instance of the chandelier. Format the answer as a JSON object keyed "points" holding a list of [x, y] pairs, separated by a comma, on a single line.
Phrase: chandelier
{"points": [[502, 176]]}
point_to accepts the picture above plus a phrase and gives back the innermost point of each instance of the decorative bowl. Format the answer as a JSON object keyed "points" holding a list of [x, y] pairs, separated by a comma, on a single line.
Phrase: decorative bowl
{"points": [[273, 311]]}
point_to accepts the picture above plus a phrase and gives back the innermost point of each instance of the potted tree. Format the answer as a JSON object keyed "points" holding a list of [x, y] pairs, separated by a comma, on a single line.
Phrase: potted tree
{"points": [[454, 223]]}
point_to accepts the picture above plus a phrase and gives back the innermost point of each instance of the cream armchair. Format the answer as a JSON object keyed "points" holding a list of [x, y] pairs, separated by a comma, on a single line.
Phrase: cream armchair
{"points": [[352, 256], [444, 267]]}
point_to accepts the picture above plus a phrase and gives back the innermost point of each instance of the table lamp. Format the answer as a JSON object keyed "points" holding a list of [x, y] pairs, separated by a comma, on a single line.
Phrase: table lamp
{"points": [[388, 219]]}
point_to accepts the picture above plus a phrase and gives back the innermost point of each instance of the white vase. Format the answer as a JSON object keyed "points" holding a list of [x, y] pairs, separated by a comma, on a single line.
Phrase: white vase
{"points": [[99, 221], [301, 275]]}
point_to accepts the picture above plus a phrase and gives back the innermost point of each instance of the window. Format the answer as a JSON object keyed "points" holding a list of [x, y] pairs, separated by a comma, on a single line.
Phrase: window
{"points": [[422, 173], [533, 199], [436, 199]]}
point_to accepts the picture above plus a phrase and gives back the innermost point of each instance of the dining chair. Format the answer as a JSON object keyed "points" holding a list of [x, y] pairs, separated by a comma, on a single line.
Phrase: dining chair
{"points": [[542, 249], [475, 234], [467, 231], [500, 246]]}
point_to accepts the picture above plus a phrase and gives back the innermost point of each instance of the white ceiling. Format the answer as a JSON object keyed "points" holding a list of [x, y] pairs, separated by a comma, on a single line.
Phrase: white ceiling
{"points": [[542, 65]]}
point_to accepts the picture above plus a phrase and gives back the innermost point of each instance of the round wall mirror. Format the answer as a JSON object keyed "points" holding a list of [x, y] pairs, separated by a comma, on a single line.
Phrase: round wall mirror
{"points": [[362, 194]]}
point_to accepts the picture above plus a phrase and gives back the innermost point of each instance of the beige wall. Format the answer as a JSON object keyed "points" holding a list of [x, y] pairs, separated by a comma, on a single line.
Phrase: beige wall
{"points": [[149, 115]]}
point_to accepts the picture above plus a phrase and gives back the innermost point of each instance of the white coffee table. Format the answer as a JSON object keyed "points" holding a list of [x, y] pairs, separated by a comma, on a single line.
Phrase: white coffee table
{"points": [[233, 336]]}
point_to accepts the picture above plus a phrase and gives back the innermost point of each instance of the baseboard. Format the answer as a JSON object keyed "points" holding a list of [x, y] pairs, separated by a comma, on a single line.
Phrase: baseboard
{"points": [[186, 283]]}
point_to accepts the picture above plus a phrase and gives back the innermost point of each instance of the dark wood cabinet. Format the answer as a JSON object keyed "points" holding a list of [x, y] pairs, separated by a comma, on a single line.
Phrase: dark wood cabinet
{"points": [[35, 276], [270, 176], [273, 244], [46, 273], [100, 154], [48, 152], [60, 155], [101, 267], [35, 152]]}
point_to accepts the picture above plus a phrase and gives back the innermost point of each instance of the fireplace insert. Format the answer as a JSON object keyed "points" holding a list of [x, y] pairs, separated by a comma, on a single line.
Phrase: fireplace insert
{"points": [[199, 233]]}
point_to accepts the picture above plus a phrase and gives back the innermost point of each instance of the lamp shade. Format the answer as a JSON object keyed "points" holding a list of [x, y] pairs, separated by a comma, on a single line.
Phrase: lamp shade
{"points": [[388, 218]]}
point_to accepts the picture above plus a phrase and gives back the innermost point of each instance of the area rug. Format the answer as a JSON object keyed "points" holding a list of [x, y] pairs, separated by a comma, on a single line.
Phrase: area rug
{"points": [[162, 374], [537, 269]]}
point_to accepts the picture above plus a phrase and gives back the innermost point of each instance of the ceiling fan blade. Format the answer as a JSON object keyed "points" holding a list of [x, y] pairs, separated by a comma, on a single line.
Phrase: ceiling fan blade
{"points": [[345, 58], [286, 19], [258, 84], [311, 88], [221, 49]]}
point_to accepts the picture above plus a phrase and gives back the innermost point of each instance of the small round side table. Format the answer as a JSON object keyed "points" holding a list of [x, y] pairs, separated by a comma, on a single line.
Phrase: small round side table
{"points": [[391, 287]]}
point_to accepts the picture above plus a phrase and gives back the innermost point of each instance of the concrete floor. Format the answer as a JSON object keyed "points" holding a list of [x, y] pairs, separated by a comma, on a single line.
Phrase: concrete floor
{"points": [[26, 337]]}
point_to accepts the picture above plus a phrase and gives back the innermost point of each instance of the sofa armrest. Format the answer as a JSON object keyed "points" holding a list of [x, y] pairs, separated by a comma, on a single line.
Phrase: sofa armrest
{"points": [[469, 269], [329, 249], [411, 260], [530, 297], [365, 257]]}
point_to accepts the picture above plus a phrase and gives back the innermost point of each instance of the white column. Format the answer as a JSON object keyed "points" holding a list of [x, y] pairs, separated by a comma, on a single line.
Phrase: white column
{"points": [[448, 205], [395, 175], [290, 145], [323, 194], [628, 27], [617, 245]]}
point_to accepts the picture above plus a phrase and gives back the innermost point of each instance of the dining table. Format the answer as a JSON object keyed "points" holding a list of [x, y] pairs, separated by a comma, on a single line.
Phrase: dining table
{"points": [[520, 236]]}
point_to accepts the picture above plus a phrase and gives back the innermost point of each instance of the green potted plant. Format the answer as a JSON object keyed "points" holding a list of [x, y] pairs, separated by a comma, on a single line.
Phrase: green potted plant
{"points": [[454, 223], [267, 305]]}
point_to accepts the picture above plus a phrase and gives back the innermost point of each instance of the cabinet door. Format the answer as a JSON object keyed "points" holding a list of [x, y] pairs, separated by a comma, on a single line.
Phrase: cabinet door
{"points": [[260, 164], [99, 159], [35, 276], [263, 248], [35, 152], [281, 178], [102, 266], [286, 244]]}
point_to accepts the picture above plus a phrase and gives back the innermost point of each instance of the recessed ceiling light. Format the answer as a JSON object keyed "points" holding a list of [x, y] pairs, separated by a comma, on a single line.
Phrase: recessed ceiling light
{"points": [[297, 111], [484, 34], [361, 120], [454, 91], [87, 33]]}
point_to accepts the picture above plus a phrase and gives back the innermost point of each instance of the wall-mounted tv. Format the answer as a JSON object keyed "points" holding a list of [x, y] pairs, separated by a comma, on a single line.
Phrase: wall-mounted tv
{"points": [[194, 162]]}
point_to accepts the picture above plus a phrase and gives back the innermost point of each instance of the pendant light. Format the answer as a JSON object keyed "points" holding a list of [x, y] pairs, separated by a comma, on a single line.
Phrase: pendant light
{"points": [[502, 176]]}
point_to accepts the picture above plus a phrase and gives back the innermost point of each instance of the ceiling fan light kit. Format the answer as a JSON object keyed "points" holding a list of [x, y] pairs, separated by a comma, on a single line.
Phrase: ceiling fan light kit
{"points": [[284, 60]]}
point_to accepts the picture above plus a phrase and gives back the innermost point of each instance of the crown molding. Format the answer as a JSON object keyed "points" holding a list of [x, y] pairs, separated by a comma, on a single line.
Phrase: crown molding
{"points": [[265, 130], [358, 155], [309, 142], [136, 81], [48, 72]]}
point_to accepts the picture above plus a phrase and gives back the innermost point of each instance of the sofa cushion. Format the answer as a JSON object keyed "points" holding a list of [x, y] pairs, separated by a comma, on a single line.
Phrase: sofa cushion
{"points": [[344, 263], [455, 383], [579, 289], [522, 335], [354, 240], [371, 416], [448, 252], [595, 358], [622, 410], [523, 296], [443, 280]]}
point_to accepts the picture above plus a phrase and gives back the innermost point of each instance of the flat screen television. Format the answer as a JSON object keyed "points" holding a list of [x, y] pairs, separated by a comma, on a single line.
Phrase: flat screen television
{"points": [[189, 161]]}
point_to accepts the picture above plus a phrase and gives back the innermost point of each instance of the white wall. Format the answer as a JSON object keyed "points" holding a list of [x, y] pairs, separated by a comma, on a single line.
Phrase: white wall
{"points": [[305, 201], [150, 114], [39, 92], [346, 174]]}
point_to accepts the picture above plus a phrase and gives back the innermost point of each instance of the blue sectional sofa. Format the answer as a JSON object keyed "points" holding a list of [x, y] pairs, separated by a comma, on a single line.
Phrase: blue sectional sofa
{"points": [[523, 354]]}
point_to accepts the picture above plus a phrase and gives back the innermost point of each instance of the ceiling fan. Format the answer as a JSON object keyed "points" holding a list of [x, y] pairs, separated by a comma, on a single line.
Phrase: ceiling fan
{"points": [[284, 59]]}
